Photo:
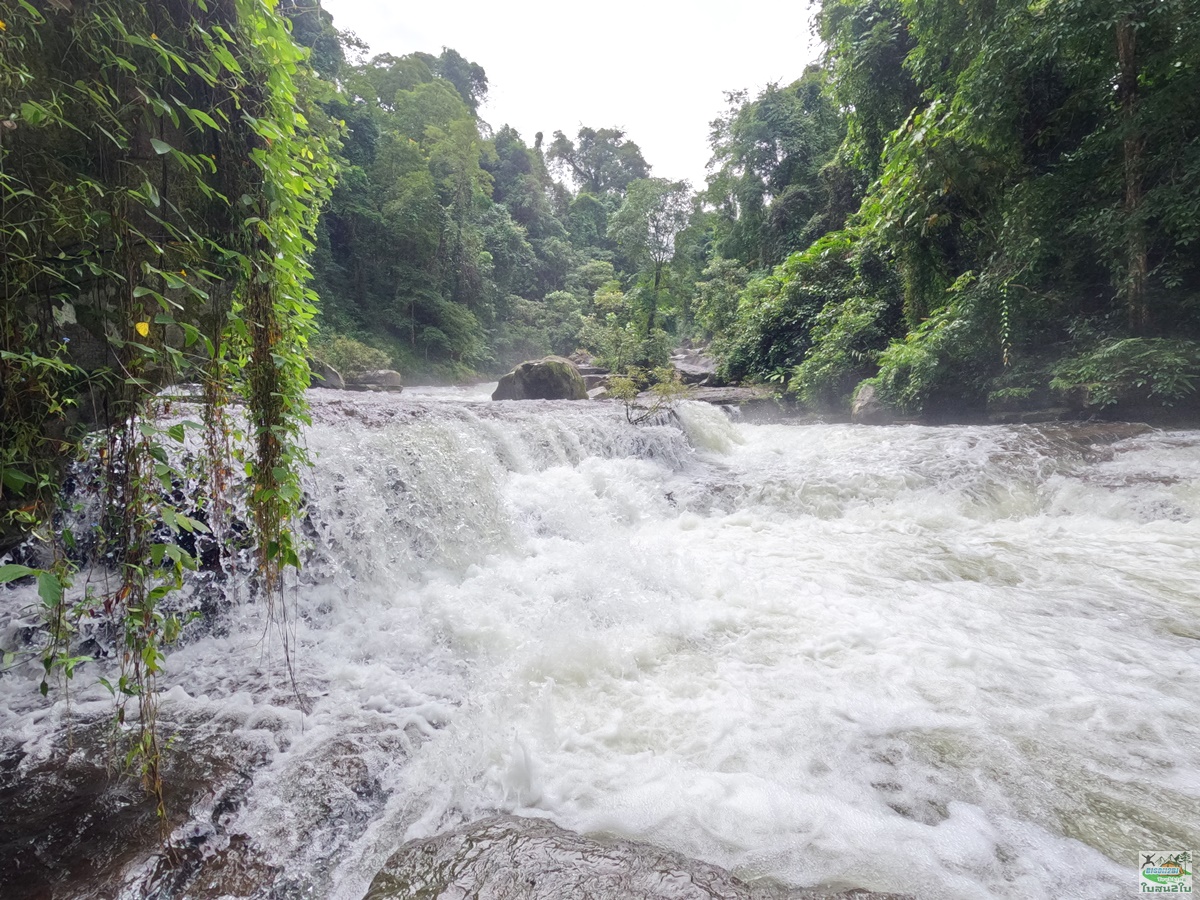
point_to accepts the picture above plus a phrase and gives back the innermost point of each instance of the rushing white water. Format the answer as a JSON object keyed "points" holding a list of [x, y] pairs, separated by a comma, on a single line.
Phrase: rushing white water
{"points": [[958, 662]]}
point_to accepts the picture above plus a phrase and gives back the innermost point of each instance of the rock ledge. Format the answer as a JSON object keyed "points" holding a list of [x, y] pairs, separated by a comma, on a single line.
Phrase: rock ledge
{"points": [[511, 858]]}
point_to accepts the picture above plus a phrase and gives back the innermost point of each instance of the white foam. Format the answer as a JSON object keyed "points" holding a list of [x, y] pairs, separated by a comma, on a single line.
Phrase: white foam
{"points": [[956, 662]]}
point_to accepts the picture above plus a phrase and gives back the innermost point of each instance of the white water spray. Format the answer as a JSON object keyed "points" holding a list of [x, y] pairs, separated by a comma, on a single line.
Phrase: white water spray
{"points": [[955, 662]]}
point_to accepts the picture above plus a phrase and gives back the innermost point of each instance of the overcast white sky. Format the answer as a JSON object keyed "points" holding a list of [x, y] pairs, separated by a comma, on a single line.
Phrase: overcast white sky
{"points": [[657, 69]]}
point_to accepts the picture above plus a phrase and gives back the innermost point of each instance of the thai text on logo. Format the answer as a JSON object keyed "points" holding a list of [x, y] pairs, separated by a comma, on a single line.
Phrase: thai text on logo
{"points": [[1165, 872]]}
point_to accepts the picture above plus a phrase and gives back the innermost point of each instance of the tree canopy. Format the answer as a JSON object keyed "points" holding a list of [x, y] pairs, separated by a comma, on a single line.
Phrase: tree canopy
{"points": [[1028, 172]]}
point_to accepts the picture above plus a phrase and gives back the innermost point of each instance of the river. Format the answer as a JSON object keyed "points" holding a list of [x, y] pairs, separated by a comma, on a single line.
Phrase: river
{"points": [[958, 662]]}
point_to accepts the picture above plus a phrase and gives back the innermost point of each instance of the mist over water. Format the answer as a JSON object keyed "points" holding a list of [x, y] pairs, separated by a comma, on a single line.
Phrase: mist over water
{"points": [[957, 662]]}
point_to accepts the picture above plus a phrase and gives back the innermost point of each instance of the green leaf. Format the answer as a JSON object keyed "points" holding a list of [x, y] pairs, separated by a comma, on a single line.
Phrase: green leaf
{"points": [[50, 589], [34, 113], [12, 572], [160, 147], [15, 481], [196, 114]]}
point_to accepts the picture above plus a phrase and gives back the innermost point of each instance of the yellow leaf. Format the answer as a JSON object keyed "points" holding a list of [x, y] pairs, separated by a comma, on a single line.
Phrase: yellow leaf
{"points": [[142, 328], [153, 37]]}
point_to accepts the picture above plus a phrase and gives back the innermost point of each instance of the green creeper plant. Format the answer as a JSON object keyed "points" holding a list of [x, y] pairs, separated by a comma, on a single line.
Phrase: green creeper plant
{"points": [[160, 175]]}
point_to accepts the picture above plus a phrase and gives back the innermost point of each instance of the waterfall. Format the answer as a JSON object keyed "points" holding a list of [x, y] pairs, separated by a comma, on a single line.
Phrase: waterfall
{"points": [[954, 662]]}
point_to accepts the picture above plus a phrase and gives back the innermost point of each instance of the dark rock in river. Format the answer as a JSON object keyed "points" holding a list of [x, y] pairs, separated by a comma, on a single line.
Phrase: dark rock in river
{"points": [[73, 828], [509, 858], [377, 380], [552, 378], [323, 375]]}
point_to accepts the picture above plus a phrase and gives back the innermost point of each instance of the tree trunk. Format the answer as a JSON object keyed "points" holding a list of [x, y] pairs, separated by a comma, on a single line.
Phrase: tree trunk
{"points": [[654, 305], [1133, 146]]}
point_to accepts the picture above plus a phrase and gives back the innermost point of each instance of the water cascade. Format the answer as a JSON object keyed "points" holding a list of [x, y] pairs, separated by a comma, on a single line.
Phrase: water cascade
{"points": [[951, 662]]}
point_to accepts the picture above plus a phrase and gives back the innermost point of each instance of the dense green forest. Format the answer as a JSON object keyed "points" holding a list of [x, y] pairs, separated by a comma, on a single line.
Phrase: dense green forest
{"points": [[967, 206], [449, 250]]}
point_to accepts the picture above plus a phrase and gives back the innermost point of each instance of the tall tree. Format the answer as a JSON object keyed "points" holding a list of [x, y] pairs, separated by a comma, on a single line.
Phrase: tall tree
{"points": [[601, 161], [655, 210], [768, 154]]}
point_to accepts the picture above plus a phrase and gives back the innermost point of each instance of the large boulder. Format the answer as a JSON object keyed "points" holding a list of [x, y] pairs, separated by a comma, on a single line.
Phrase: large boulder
{"points": [[867, 408], [552, 378], [376, 380], [694, 367], [509, 858], [323, 375]]}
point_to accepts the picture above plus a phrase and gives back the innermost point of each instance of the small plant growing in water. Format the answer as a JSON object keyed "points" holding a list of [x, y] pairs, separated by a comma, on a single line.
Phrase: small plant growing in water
{"points": [[649, 395]]}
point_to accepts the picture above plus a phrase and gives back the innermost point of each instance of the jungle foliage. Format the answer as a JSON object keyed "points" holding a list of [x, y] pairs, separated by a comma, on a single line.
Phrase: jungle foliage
{"points": [[161, 168], [450, 247], [1024, 187]]}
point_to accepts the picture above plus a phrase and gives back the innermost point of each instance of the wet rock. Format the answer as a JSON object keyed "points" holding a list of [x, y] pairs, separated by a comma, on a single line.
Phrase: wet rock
{"points": [[868, 408], [74, 828], [323, 375], [214, 870], [694, 367], [730, 395], [551, 378], [509, 858], [376, 380], [1029, 416]]}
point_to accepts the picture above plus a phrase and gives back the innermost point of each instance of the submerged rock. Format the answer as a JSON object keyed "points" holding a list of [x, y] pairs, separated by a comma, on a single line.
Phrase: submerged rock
{"points": [[551, 378], [510, 858]]}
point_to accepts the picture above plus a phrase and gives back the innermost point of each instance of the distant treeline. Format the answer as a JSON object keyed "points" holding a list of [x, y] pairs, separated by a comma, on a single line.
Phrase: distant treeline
{"points": [[968, 206]]}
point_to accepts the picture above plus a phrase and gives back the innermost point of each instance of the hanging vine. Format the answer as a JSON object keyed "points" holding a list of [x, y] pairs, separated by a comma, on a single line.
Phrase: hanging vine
{"points": [[159, 184]]}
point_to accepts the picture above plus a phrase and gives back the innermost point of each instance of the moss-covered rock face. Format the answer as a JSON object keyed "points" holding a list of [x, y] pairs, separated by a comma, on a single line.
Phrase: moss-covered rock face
{"points": [[509, 858], [552, 378]]}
